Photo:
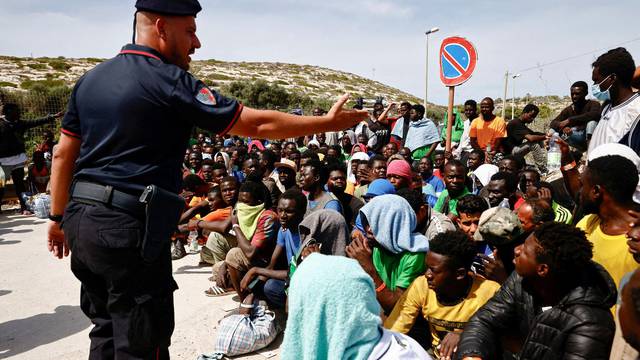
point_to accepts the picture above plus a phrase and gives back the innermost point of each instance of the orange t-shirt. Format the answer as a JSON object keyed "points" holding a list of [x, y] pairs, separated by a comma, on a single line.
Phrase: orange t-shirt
{"points": [[217, 215], [486, 132]]}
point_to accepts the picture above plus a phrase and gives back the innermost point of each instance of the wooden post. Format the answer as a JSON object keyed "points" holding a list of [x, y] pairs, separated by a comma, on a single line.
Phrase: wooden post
{"points": [[450, 117]]}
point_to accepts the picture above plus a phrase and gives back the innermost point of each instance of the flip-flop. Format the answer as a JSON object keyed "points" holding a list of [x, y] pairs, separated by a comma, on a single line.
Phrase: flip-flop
{"points": [[215, 290]]}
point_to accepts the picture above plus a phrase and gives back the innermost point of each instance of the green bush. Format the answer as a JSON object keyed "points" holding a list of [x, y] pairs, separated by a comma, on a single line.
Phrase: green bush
{"points": [[38, 66], [7, 84], [59, 65]]}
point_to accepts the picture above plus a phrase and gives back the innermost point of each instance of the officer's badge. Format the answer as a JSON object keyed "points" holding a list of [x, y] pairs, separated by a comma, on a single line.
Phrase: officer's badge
{"points": [[206, 97]]}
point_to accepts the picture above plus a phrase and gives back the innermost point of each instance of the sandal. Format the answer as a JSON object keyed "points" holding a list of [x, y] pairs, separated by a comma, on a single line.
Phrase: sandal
{"points": [[216, 290]]}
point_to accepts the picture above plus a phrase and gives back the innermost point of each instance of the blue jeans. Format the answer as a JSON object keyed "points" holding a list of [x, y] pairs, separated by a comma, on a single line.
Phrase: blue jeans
{"points": [[274, 292]]}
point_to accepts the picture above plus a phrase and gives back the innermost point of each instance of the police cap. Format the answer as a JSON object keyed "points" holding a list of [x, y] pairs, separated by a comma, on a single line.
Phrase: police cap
{"points": [[170, 7]]}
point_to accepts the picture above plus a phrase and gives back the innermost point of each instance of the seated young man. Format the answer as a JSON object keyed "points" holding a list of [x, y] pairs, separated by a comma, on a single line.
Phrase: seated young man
{"points": [[504, 185], [557, 300], [470, 208], [256, 230], [390, 250], [446, 296], [455, 176], [314, 178], [430, 222], [337, 184], [291, 209]]}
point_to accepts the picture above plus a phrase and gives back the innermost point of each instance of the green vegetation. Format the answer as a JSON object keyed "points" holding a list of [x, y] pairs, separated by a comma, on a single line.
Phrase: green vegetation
{"points": [[59, 65], [41, 85], [221, 77], [38, 66], [7, 84]]}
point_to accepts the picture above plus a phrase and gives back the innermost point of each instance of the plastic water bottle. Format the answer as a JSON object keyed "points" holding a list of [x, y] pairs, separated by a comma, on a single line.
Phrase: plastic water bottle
{"points": [[553, 155], [505, 204], [193, 237]]}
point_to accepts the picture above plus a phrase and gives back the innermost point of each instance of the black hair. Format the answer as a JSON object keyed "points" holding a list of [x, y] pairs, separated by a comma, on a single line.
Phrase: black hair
{"points": [[270, 157], [564, 248], [603, 172], [510, 180], [581, 84], [414, 198], [479, 152], [438, 152], [336, 166], [471, 204], [529, 108], [258, 190], [471, 102], [405, 104], [209, 162], [295, 151], [376, 157], [455, 245], [428, 158], [298, 197], [319, 170], [310, 154], [214, 190], [542, 211], [616, 61], [519, 160], [216, 166], [456, 163], [191, 182], [418, 108], [229, 179]]}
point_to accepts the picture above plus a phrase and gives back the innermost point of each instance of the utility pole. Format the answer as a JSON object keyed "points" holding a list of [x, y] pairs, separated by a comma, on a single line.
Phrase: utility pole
{"points": [[504, 98], [426, 67]]}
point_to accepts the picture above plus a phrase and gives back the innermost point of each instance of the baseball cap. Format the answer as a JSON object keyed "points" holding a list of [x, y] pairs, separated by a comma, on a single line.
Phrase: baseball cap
{"points": [[379, 187], [498, 226]]}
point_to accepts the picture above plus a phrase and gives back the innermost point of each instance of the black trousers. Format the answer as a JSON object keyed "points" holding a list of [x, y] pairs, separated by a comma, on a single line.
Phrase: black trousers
{"points": [[129, 302]]}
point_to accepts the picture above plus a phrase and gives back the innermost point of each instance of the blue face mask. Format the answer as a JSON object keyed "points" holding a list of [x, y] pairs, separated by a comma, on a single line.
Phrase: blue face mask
{"points": [[597, 92]]}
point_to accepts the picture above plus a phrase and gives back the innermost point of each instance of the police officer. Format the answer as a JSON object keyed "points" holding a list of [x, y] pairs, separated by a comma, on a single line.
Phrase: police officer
{"points": [[116, 173]]}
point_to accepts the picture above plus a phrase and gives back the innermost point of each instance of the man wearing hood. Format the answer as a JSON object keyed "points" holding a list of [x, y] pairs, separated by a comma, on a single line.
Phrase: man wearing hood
{"points": [[558, 299]]}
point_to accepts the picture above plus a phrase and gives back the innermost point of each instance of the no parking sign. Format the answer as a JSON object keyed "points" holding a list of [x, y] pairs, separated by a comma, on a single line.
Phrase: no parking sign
{"points": [[458, 58]]}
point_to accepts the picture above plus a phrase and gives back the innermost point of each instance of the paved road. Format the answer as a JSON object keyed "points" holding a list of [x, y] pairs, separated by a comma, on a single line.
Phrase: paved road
{"points": [[40, 316]]}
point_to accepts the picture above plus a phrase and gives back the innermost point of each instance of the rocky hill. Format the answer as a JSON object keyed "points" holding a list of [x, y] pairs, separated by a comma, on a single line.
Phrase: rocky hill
{"points": [[316, 82]]}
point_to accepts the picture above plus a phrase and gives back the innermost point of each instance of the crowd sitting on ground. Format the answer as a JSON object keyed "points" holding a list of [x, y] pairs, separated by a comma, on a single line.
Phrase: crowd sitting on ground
{"points": [[377, 242]]}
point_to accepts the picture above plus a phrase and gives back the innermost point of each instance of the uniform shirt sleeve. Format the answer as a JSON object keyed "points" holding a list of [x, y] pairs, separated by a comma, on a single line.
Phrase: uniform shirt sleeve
{"points": [[71, 122], [408, 307], [204, 107]]}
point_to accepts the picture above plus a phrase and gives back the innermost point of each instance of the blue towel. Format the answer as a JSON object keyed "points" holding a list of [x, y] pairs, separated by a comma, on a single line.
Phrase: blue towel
{"points": [[421, 133], [393, 222], [333, 311]]}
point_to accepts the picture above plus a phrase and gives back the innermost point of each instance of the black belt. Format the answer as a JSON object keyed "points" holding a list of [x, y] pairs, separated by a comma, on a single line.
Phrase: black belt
{"points": [[107, 195]]}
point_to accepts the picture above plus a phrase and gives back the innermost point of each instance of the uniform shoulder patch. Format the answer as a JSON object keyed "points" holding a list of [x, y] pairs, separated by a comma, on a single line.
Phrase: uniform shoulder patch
{"points": [[206, 97]]}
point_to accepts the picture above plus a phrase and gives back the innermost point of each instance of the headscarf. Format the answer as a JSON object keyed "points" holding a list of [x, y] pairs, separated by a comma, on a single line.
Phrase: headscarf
{"points": [[326, 227], [333, 311], [357, 156], [227, 161], [351, 134], [393, 222], [313, 142], [257, 144], [362, 147], [484, 173], [380, 187], [421, 133], [400, 168], [621, 150]]}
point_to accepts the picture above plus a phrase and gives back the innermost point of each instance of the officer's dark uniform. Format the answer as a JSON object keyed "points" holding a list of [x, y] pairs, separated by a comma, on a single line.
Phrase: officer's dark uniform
{"points": [[134, 115]]}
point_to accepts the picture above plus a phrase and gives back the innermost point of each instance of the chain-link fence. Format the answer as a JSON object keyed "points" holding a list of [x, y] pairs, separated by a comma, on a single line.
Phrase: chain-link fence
{"points": [[36, 104]]}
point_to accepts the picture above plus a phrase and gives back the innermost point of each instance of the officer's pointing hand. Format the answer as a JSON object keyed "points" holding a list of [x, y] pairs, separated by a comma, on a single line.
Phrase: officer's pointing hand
{"points": [[347, 118]]}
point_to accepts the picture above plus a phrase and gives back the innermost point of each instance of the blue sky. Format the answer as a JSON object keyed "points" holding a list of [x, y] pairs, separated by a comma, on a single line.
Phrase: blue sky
{"points": [[356, 36]]}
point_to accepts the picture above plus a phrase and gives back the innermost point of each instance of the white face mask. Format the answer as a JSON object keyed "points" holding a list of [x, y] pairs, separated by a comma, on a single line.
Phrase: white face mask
{"points": [[597, 92]]}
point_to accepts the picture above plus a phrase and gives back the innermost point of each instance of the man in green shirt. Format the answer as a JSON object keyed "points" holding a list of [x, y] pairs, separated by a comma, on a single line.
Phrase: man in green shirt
{"points": [[389, 250], [455, 176]]}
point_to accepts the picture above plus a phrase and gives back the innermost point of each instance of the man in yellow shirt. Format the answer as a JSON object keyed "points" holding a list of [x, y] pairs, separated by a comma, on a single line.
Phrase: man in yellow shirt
{"points": [[487, 129], [447, 295], [608, 197]]}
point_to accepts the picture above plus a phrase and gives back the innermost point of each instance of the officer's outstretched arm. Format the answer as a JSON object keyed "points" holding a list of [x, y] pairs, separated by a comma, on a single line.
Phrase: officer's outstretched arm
{"points": [[268, 124]]}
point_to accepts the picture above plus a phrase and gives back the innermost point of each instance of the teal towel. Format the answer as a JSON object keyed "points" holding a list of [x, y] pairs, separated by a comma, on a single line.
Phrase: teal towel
{"points": [[333, 311]]}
